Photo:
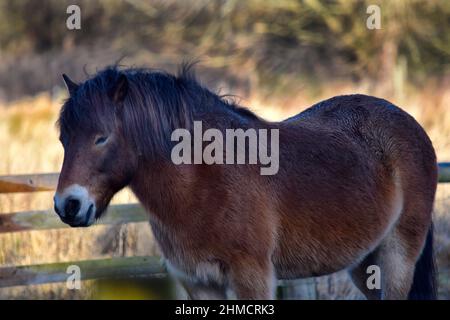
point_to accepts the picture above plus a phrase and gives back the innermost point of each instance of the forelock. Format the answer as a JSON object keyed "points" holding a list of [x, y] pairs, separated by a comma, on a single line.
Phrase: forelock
{"points": [[89, 109]]}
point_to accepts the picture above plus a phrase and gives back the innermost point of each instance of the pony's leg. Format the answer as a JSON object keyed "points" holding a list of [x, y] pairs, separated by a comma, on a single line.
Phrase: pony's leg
{"points": [[253, 280], [396, 259], [360, 276], [200, 291], [402, 247], [396, 269], [397, 266], [393, 257]]}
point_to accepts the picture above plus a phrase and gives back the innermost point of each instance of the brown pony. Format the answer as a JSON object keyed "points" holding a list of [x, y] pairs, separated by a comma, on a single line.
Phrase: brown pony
{"points": [[355, 186]]}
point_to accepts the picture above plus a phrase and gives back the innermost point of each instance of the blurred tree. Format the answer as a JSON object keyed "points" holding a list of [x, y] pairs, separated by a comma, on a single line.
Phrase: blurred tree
{"points": [[277, 42]]}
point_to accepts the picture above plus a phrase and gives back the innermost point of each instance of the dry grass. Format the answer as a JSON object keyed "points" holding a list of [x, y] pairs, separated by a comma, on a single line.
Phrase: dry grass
{"points": [[29, 144]]}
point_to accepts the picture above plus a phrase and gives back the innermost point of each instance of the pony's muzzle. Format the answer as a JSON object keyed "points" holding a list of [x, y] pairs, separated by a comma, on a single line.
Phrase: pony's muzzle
{"points": [[75, 207]]}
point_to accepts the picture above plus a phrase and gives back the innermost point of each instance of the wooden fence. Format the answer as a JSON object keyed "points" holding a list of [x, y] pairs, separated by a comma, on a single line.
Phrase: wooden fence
{"points": [[91, 269]]}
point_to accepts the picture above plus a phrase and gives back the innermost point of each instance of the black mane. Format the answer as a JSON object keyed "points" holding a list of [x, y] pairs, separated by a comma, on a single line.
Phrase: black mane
{"points": [[156, 103]]}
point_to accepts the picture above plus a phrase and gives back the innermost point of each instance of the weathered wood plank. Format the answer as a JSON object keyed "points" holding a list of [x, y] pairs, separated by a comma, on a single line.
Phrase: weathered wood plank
{"points": [[303, 289], [39, 220], [112, 268], [28, 182], [444, 172]]}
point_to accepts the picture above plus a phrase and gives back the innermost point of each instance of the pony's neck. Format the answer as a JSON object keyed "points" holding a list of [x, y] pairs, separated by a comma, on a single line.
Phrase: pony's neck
{"points": [[162, 187], [222, 116], [215, 111]]}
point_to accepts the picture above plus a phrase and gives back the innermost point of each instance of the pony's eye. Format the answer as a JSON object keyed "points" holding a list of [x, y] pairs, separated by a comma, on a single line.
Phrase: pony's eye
{"points": [[100, 140]]}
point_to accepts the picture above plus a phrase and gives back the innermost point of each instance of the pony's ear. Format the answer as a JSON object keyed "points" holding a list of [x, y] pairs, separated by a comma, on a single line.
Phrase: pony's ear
{"points": [[119, 90], [70, 85]]}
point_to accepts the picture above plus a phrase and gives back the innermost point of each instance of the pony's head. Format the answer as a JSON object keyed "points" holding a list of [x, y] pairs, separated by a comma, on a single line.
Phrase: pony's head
{"points": [[98, 161], [109, 126]]}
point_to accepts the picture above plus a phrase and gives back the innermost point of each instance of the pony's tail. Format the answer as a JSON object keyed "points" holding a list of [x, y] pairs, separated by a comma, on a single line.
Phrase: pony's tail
{"points": [[424, 283]]}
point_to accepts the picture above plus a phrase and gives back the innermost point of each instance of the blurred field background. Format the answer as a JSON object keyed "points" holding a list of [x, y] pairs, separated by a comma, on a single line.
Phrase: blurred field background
{"points": [[277, 56]]}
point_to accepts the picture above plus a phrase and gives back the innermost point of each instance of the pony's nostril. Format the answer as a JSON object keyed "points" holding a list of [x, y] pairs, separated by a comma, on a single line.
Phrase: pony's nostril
{"points": [[71, 207]]}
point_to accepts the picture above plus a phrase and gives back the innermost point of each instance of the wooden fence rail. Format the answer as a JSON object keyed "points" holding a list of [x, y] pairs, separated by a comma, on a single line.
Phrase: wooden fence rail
{"points": [[120, 268], [444, 171], [28, 182], [47, 219], [148, 267]]}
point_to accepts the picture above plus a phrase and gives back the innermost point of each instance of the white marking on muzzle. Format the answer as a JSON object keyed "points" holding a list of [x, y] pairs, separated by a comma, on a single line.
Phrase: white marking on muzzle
{"points": [[81, 194]]}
